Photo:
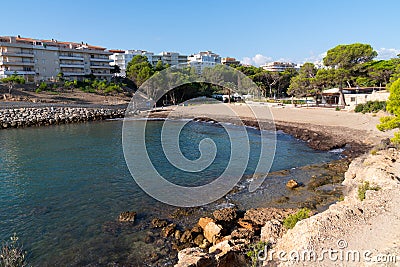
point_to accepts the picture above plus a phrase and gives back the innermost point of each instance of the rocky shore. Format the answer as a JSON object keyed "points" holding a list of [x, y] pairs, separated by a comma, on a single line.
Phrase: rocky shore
{"points": [[42, 116]]}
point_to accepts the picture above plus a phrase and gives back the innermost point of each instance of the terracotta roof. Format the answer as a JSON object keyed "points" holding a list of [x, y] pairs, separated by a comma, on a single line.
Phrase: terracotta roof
{"points": [[116, 51], [55, 42]]}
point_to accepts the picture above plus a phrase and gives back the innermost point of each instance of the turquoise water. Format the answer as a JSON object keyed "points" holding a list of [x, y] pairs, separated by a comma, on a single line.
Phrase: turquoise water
{"points": [[62, 185]]}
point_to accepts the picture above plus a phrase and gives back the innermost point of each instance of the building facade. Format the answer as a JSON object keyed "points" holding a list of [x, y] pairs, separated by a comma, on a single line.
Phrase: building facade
{"points": [[43, 60], [278, 66], [203, 60], [121, 58], [230, 61]]}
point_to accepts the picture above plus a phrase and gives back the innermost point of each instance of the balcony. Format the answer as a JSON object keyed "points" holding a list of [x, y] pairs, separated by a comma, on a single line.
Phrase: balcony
{"points": [[17, 63], [71, 57], [70, 65], [101, 66], [18, 72], [73, 73], [101, 59], [17, 54], [103, 74]]}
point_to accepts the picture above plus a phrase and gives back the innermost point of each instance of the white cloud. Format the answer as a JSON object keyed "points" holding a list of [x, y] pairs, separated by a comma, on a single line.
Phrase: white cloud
{"points": [[387, 53], [257, 60], [316, 59]]}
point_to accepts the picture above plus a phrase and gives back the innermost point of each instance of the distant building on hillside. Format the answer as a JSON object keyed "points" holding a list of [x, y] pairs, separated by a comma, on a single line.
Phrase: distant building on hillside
{"points": [[202, 60], [173, 58], [230, 61], [278, 66], [121, 58], [43, 60]]}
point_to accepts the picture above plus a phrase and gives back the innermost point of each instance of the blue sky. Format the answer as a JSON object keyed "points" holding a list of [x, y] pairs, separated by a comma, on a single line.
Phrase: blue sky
{"points": [[252, 31]]}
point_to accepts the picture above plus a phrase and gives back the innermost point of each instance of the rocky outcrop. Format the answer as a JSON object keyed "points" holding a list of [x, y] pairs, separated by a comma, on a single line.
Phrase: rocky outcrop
{"points": [[226, 244], [42, 116], [271, 231], [356, 224], [195, 257], [127, 216]]}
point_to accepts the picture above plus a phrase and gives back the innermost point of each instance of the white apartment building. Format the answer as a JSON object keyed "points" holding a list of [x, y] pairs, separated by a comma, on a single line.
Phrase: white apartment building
{"points": [[121, 58], [173, 58], [202, 60], [278, 66], [43, 60]]}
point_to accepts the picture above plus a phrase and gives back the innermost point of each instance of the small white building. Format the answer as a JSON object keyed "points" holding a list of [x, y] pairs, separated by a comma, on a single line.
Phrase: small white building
{"points": [[278, 66], [354, 96]]}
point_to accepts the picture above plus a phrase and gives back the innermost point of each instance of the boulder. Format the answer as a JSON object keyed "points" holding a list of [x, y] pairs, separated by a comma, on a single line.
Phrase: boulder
{"points": [[221, 248], [225, 215], [246, 224], [195, 257], [242, 233], [271, 231], [292, 184], [168, 230], [212, 231], [158, 223], [127, 216], [186, 237], [204, 221]]}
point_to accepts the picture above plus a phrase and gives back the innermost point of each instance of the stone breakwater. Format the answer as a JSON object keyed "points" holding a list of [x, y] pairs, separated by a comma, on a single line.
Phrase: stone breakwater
{"points": [[28, 117]]}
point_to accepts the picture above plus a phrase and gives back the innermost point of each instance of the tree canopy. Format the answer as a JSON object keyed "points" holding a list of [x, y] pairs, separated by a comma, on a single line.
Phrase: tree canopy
{"points": [[304, 83], [393, 106], [346, 56], [139, 70]]}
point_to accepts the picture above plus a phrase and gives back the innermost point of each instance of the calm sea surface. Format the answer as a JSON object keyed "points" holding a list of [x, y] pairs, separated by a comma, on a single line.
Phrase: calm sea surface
{"points": [[61, 185]]}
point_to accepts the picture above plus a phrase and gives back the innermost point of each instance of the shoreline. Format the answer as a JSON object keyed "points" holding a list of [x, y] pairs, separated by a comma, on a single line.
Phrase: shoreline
{"points": [[320, 137]]}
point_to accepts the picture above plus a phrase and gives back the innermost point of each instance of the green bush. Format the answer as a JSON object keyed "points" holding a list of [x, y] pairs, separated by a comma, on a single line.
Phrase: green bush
{"points": [[290, 221], [254, 250], [371, 107], [14, 79], [364, 187], [42, 86]]}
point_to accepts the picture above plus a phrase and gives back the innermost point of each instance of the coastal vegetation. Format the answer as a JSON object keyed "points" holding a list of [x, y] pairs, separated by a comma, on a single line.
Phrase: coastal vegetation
{"points": [[393, 106], [364, 187], [290, 221], [254, 250], [371, 107]]}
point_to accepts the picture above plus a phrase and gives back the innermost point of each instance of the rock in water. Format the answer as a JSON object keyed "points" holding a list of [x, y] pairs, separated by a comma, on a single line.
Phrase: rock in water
{"points": [[158, 223], [292, 184], [168, 230], [127, 216]]}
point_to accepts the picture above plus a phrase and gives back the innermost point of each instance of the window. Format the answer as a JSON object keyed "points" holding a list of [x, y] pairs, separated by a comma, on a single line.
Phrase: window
{"points": [[43, 61], [352, 99]]}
